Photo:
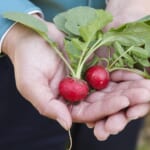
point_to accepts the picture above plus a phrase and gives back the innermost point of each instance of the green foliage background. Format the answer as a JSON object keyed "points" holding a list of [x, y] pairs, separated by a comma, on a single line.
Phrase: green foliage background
{"points": [[144, 140]]}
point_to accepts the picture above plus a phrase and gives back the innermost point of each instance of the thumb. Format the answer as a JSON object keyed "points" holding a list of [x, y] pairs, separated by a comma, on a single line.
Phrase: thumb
{"points": [[40, 96], [101, 107], [57, 110]]}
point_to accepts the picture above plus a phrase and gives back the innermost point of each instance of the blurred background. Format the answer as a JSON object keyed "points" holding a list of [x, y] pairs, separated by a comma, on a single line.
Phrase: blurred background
{"points": [[144, 140]]}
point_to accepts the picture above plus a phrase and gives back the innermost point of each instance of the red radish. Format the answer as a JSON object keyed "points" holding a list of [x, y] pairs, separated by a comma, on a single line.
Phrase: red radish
{"points": [[73, 90], [97, 77]]}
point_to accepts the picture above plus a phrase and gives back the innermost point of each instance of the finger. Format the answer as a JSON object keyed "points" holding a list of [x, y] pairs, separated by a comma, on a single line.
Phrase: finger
{"points": [[89, 112], [103, 94], [57, 35], [122, 75], [56, 78], [53, 109], [137, 111], [137, 95], [90, 124], [100, 132], [116, 123], [145, 83], [110, 87]]}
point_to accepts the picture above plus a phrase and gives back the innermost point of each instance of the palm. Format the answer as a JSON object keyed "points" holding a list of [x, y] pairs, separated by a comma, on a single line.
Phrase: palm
{"points": [[37, 65], [38, 71]]}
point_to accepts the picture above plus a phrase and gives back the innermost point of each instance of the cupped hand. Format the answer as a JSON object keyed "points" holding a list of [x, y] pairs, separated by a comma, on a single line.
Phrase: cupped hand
{"points": [[38, 70], [132, 87], [137, 91], [108, 111]]}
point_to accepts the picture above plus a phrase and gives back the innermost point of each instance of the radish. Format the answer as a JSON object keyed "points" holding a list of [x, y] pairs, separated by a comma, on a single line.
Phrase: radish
{"points": [[73, 90], [97, 77]]}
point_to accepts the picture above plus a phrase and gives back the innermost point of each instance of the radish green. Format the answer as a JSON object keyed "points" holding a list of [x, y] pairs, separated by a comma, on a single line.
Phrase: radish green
{"points": [[83, 28]]}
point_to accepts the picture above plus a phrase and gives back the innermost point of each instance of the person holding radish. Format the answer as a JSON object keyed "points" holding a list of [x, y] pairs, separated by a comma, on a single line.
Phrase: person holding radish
{"points": [[31, 72]]}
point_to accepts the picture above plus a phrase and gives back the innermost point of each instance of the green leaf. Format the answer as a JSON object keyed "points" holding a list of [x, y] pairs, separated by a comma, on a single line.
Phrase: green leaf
{"points": [[38, 26], [131, 41], [83, 27], [73, 53], [140, 52], [60, 21], [125, 38], [144, 62], [129, 34], [27, 20], [103, 18], [129, 57], [78, 44], [75, 22], [144, 19], [120, 51], [77, 17], [88, 31]]}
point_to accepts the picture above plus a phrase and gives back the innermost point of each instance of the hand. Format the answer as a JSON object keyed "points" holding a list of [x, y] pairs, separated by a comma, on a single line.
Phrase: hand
{"points": [[124, 11], [127, 11], [136, 90], [38, 70], [99, 105]]}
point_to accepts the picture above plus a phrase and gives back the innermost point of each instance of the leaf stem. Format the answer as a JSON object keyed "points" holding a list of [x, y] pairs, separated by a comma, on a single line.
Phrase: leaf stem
{"points": [[118, 58], [85, 55], [53, 45], [139, 72], [90, 51], [79, 67]]}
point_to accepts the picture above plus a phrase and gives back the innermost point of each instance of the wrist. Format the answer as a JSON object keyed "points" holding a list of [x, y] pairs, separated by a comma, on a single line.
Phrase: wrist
{"points": [[17, 34]]}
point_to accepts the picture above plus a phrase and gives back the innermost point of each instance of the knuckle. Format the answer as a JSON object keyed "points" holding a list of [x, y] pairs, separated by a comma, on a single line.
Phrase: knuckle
{"points": [[23, 84], [42, 109]]}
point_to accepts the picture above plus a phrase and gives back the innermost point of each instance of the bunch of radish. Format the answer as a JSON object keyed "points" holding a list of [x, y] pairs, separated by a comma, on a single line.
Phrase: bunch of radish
{"points": [[83, 29], [80, 43], [84, 35], [75, 90]]}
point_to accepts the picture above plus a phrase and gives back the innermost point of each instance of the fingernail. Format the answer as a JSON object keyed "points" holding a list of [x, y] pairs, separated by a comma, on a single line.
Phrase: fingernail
{"points": [[126, 103], [115, 133], [63, 123], [130, 118], [103, 138], [90, 125]]}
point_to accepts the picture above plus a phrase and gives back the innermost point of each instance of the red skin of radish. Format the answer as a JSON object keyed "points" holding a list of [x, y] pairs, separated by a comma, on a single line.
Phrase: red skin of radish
{"points": [[97, 77], [73, 90]]}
